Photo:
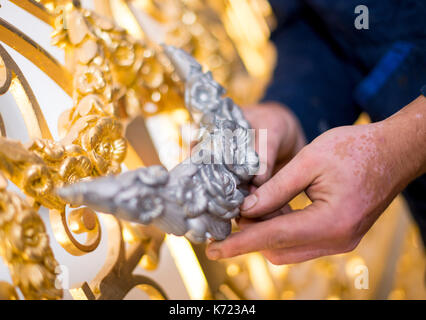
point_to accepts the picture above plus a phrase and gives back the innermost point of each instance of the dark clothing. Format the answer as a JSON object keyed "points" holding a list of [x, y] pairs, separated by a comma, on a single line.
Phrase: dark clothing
{"points": [[328, 71]]}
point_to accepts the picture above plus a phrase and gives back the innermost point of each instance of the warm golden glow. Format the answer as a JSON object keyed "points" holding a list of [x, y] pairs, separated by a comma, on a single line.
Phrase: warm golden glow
{"points": [[115, 74], [233, 269], [126, 19], [260, 276], [352, 265], [189, 267]]}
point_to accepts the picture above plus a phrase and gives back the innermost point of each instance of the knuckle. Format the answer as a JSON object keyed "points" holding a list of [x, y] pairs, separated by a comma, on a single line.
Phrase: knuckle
{"points": [[234, 249], [306, 159], [275, 240], [231, 247]]}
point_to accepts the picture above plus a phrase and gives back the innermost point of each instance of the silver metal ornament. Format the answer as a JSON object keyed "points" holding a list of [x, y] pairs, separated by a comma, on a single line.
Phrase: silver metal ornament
{"points": [[199, 197]]}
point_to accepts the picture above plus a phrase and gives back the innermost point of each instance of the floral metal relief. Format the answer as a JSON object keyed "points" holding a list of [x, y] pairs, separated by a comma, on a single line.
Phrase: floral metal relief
{"points": [[112, 77], [24, 245], [115, 77], [92, 144], [197, 198], [216, 34]]}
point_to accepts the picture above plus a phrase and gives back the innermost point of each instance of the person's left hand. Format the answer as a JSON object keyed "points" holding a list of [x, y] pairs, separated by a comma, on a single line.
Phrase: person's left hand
{"points": [[284, 139]]}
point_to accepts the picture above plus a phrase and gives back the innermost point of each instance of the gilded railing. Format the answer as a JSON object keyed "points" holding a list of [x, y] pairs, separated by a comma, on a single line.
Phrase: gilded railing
{"points": [[122, 86], [112, 78], [91, 144]]}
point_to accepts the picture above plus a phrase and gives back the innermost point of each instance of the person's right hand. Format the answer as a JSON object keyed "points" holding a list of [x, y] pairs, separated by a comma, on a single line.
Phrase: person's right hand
{"points": [[351, 174], [284, 136]]}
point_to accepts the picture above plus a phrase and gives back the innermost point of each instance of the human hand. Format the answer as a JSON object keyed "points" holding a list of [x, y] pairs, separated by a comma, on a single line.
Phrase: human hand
{"points": [[351, 174], [284, 136]]}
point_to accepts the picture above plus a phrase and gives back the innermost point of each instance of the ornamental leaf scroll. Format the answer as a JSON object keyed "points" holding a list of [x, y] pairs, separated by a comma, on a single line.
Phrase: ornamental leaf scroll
{"points": [[92, 144], [195, 199], [115, 77]]}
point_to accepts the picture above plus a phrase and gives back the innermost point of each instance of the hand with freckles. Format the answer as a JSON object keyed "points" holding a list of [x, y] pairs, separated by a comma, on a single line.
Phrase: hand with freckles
{"points": [[351, 174]]}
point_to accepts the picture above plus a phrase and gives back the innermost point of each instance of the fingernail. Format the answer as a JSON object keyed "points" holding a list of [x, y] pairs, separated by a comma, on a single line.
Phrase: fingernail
{"points": [[249, 202], [213, 254]]}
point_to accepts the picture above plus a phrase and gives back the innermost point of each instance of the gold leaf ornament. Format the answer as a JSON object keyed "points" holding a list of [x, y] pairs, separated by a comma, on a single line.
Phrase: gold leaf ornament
{"points": [[105, 62], [37, 181], [24, 246], [105, 145]]}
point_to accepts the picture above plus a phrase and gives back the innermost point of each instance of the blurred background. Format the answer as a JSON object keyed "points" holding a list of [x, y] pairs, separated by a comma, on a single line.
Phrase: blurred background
{"points": [[230, 38]]}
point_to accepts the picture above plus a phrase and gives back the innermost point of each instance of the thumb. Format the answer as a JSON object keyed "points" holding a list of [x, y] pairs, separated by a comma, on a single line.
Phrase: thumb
{"points": [[287, 183]]}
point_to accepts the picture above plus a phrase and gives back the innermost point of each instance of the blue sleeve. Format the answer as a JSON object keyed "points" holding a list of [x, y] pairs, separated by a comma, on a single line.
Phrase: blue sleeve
{"points": [[395, 81], [311, 79]]}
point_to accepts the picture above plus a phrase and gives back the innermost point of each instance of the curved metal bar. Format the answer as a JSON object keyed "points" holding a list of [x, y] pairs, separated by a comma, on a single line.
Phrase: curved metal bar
{"points": [[37, 9], [200, 196], [31, 50], [26, 100]]}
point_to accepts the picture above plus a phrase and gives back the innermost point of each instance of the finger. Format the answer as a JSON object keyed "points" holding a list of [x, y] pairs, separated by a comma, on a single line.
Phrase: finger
{"points": [[267, 156], [297, 254], [253, 116], [243, 223], [302, 227], [252, 188], [292, 179], [260, 179], [284, 210]]}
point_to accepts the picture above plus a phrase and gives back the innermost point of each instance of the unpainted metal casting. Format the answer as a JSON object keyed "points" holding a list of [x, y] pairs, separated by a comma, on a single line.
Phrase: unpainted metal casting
{"points": [[200, 196]]}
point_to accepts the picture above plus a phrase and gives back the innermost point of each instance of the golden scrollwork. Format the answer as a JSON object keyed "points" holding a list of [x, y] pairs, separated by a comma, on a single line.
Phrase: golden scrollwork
{"points": [[110, 77], [7, 291], [24, 246], [212, 35], [114, 74], [12, 79], [116, 278], [192, 26], [91, 144]]}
